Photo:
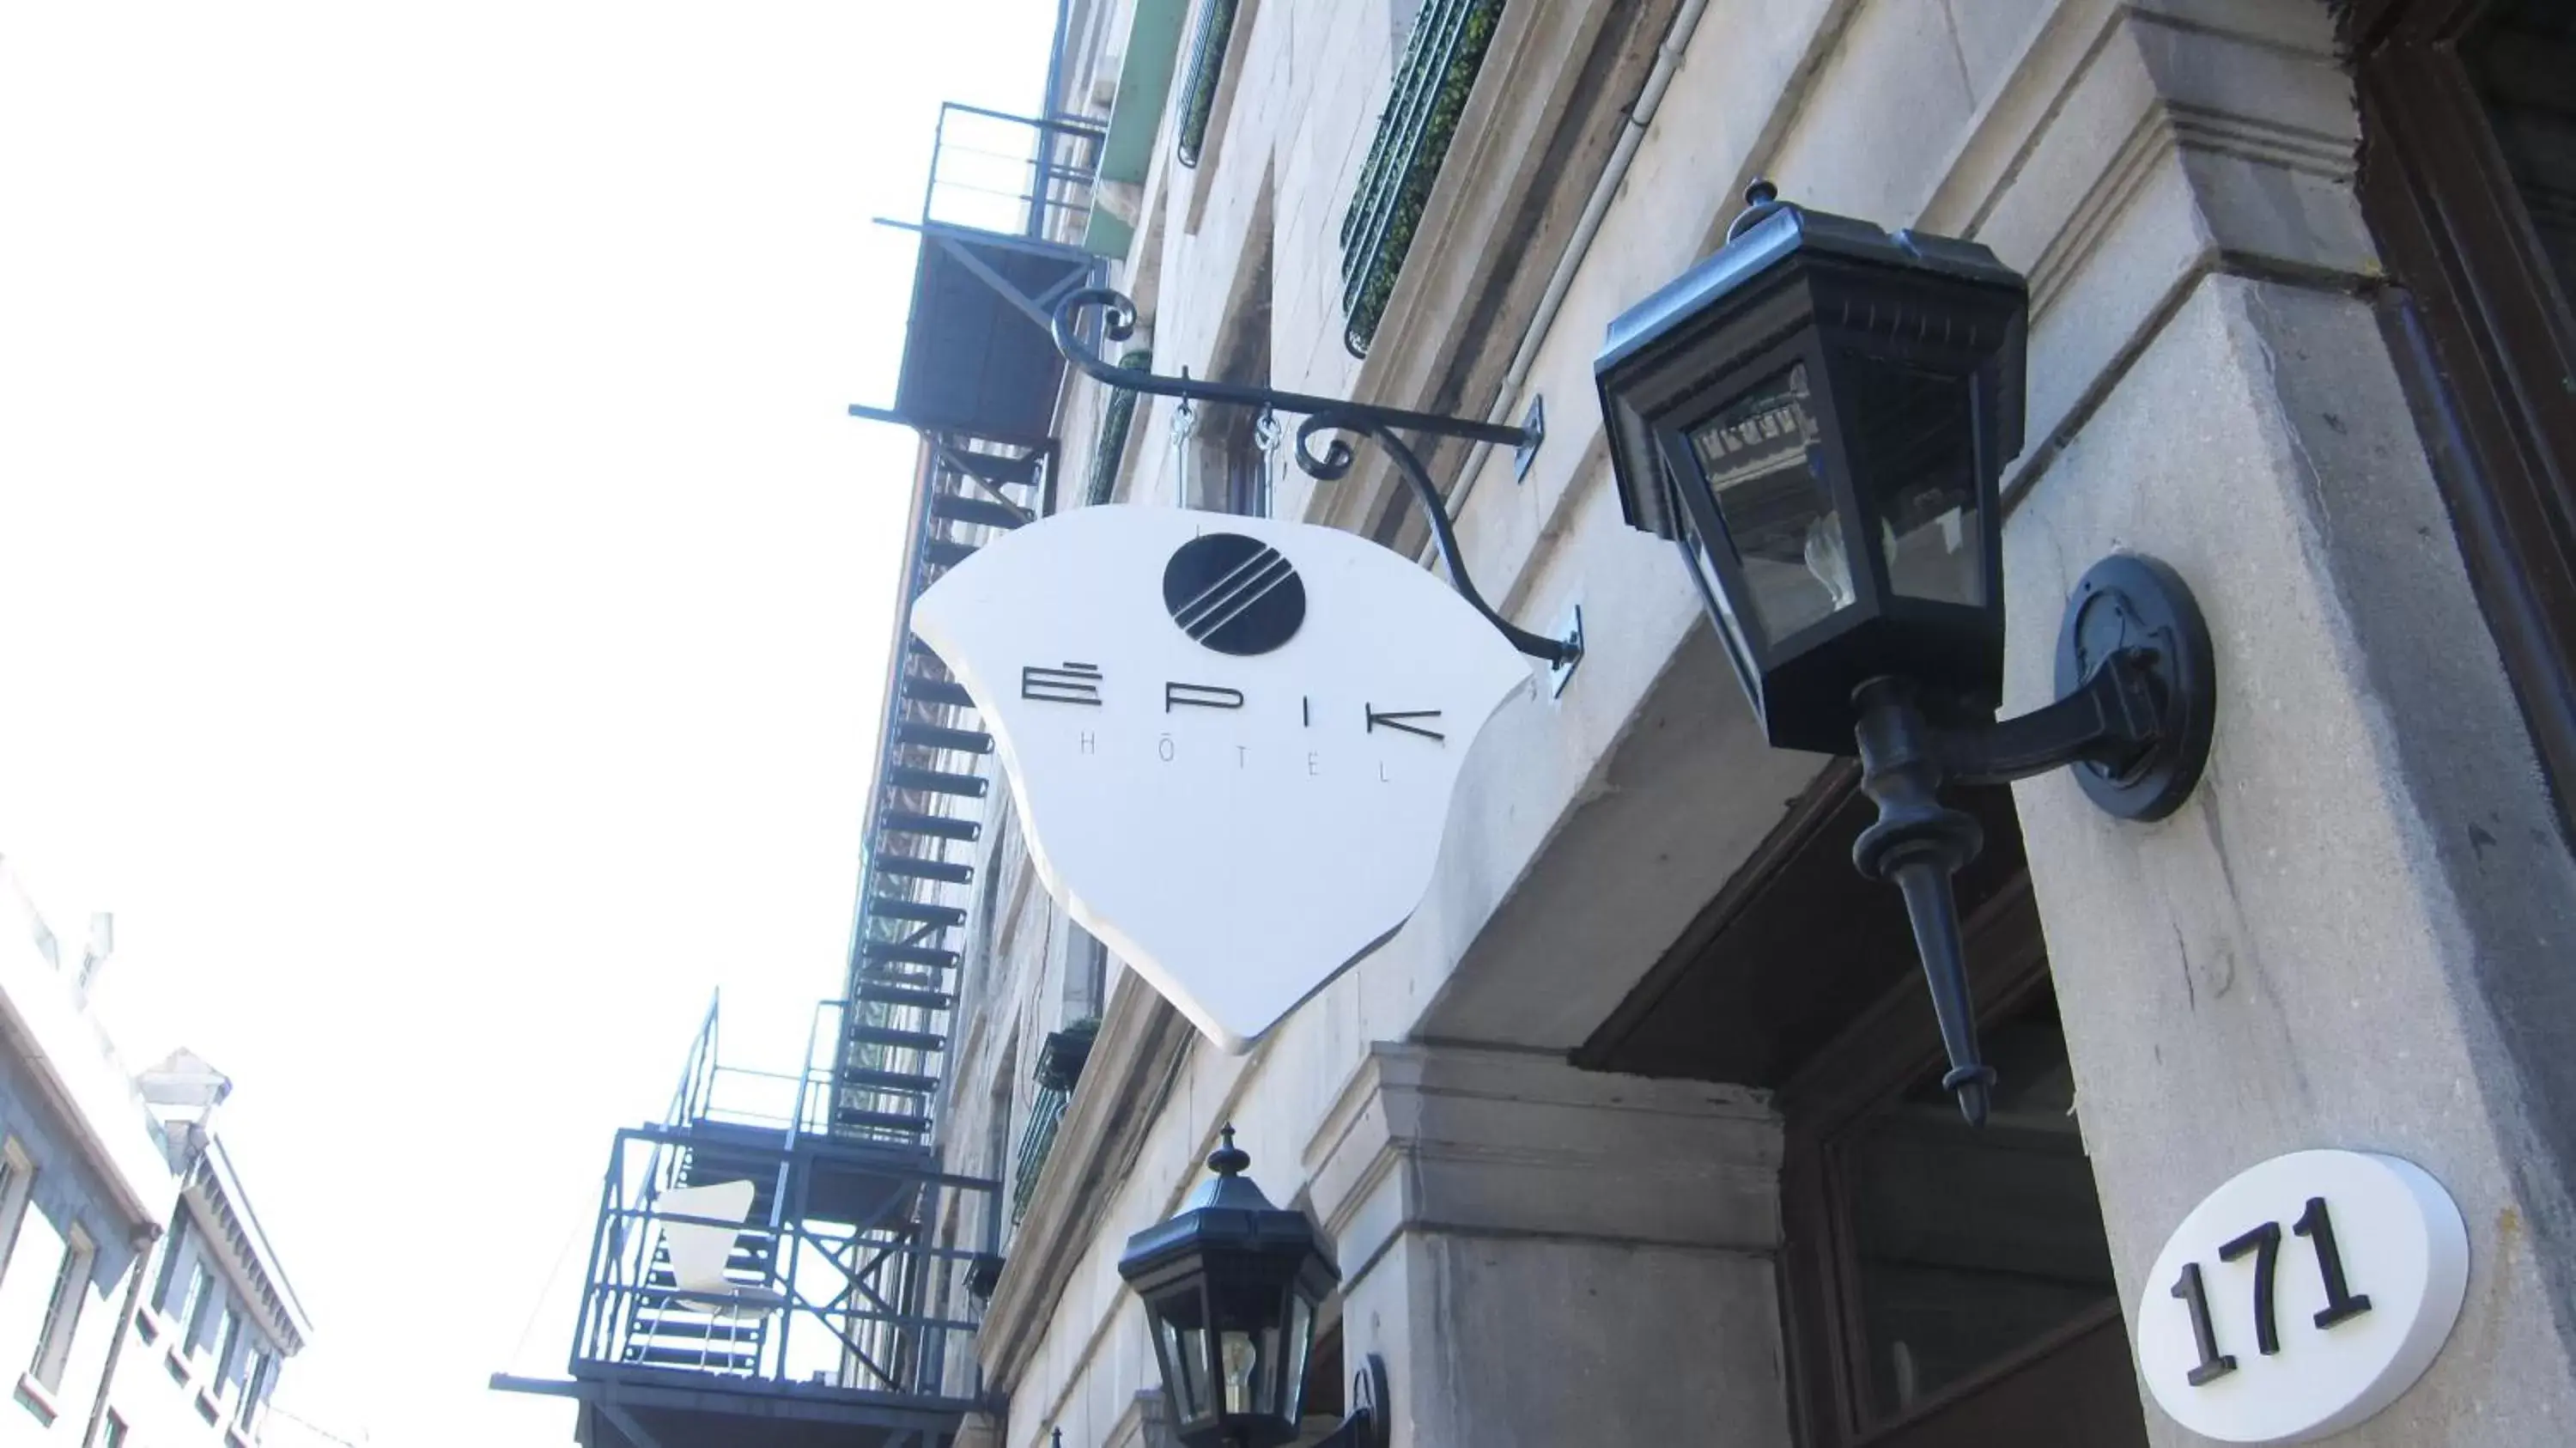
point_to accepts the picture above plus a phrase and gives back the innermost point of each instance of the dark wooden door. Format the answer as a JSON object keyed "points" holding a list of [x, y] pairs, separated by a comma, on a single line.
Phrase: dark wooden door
{"points": [[2077, 1391], [2468, 180], [1945, 1285]]}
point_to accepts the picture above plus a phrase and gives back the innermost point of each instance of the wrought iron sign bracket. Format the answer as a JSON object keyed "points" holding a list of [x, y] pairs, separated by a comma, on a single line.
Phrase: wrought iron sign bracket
{"points": [[1327, 415], [2133, 719]]}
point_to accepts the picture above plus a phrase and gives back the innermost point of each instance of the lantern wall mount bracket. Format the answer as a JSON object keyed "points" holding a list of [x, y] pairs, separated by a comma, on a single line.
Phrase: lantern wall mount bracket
{"points": [[2133, 718], [1368, 1424], [1328, 415]]}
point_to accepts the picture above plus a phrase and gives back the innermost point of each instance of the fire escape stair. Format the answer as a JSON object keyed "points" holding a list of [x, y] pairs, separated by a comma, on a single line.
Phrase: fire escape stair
{"points": [[904, 995], [897, 1039]]}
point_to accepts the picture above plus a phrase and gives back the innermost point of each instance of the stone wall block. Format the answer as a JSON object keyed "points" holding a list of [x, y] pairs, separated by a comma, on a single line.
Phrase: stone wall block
{"points": [[2290, 961]]}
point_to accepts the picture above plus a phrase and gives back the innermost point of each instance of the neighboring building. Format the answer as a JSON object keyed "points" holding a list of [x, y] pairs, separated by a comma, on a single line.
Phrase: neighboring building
{"points": [[109, 1184], [1634, 1134], [219, 1319]]}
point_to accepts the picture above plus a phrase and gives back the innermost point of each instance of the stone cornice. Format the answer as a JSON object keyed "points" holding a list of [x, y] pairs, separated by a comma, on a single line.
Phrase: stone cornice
{"points": [[1141, 1044]]}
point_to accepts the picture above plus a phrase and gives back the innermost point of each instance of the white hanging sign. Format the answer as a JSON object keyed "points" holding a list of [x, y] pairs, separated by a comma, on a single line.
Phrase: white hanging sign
{"points": [[2302, 1297], [1232, 740]]}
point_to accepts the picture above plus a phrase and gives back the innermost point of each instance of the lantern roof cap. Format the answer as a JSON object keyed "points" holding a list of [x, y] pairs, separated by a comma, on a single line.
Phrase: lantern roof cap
{"points": [[1767, 234], [1227, 1211]]}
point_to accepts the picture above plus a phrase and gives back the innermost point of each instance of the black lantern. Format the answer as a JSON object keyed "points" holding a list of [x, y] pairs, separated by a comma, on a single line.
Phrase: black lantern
{"points": [[1818, 416], [1231, 1286]]}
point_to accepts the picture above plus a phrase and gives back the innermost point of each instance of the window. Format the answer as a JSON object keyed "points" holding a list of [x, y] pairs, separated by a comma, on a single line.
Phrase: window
{"points": [[1086, 985], [199, 1308], [168, 1283], [63, 1310], [17, 1178], [255, 1386], [230, 1350], [115, 1435]]}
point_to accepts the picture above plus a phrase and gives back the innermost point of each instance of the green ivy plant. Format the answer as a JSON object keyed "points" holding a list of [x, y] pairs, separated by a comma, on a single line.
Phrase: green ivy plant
{"points": [[1113, 432], [1207, 65], [1404, 160]]}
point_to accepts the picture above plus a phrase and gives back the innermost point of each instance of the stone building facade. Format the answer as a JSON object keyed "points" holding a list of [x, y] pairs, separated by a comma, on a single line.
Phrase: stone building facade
{"points": [[1623, 1137]]}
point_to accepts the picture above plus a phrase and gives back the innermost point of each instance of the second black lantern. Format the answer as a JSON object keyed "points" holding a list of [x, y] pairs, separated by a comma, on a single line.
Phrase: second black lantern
{"points": [[1231, 1285]]}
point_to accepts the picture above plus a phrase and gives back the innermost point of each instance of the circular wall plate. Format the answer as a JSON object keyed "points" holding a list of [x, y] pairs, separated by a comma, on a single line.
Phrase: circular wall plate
{"points": [[2300, 1298], [2129, 601]]}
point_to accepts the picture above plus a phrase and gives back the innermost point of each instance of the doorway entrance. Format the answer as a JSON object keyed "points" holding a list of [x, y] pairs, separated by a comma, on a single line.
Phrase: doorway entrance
{"points": [[1941, 1286]]}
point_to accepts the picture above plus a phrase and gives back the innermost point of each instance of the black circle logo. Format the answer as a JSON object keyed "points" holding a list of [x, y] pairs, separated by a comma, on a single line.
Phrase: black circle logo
{"points": [[1236, 595]]}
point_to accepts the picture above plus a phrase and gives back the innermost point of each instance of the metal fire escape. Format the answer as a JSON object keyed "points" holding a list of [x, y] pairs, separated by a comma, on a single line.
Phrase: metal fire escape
{"points": [[777, 1263], [1008, 196]]}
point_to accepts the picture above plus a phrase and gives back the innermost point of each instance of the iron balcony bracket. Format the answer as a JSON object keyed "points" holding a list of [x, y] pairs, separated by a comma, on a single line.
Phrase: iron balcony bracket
{"points": [[1323, 415]]}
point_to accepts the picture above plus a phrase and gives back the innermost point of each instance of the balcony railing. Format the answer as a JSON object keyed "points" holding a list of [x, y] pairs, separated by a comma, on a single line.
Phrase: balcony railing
{"points": [[1060, 1065], [1046, 1114], [1207, 67], [1428, 96]]}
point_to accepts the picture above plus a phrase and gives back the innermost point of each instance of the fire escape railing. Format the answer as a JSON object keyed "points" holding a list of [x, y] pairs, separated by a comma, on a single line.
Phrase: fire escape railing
{"points": [[855, 1297], [996, 172]]}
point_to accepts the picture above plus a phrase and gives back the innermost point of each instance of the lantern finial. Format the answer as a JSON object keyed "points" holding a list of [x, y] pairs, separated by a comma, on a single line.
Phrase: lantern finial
{"points": [[1229, 1159], [1760, 200]]}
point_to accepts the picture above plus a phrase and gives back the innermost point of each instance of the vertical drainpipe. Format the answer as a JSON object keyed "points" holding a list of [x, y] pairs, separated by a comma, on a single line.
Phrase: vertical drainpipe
{"points": [[146, 1238]]}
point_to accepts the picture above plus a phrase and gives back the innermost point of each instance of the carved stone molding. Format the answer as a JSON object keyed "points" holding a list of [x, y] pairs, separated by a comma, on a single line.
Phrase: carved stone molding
{"points": [[1474, 1140]]}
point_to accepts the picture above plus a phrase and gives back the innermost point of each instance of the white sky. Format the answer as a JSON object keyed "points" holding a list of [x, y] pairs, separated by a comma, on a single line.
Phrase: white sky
{"points": [[442, 601]]}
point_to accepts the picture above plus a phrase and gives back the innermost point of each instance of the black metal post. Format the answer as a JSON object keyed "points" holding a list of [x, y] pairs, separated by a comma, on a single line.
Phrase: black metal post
{"points": [[2134, 716], [1323, 415], [1919, 843]]}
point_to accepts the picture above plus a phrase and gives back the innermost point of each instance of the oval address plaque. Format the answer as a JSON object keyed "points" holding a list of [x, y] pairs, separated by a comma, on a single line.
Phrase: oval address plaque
{"points": [[2302, 1297]]}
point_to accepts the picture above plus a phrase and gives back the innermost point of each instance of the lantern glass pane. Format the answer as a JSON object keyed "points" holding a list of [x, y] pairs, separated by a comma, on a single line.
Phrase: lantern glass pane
{"points": [[1698, 550], [1763, 460], [1914, 463], [1180, 1324], [1300, 1340]]}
